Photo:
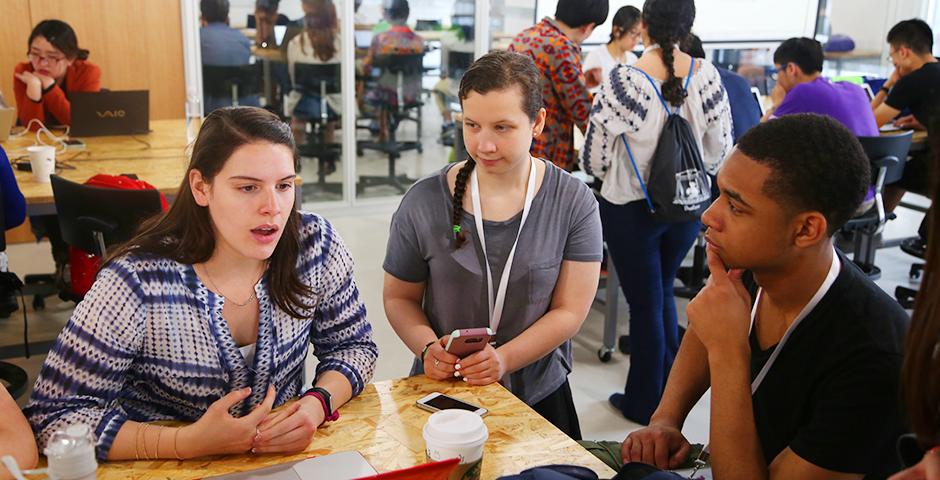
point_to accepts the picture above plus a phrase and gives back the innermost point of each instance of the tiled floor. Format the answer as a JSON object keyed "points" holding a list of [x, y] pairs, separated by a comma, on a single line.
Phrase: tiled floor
{"points": [[365, 233]]}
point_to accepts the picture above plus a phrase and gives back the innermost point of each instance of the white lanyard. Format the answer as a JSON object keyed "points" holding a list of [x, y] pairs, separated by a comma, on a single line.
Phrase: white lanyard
{"points": [[496, 305], [827, 283], [823, 289]]}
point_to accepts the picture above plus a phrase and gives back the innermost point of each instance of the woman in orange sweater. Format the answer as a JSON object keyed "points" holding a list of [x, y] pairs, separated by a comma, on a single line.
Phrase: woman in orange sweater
{"points": [[56, 68]]}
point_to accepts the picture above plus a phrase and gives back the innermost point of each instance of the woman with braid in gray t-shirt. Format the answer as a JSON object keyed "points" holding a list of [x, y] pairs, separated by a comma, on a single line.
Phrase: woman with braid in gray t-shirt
{"points": [[534, 220]]}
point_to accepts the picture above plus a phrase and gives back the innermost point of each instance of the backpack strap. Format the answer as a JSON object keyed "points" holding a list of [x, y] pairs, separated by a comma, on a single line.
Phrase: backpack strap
{"points": [[685, 87], [639, 177]]}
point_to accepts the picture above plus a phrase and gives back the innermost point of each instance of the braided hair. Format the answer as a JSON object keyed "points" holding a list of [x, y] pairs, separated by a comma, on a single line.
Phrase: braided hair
{"points": [[497, 70], [668, 22]]}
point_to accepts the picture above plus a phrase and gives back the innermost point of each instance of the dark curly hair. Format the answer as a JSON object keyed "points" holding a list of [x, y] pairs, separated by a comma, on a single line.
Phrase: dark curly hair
{"points": [[816, 163], [668, 22], [497, 70]]}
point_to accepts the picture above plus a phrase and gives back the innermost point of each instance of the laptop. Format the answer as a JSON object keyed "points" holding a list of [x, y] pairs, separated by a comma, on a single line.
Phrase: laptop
{"points": [[755, 92], [867, 88], [7, 118], [110, 113], [342, 466]]}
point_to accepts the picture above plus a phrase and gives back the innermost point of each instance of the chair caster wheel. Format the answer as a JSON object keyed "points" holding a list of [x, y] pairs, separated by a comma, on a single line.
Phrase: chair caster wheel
{"points": [[605, 354]]}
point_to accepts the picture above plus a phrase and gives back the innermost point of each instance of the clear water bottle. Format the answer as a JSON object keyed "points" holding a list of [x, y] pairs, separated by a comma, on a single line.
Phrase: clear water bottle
{"points": [[71, 454], [193, 113]]}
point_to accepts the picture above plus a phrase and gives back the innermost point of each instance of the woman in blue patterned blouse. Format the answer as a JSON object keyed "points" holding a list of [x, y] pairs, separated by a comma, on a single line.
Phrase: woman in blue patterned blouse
{"points": [[206, 315]]}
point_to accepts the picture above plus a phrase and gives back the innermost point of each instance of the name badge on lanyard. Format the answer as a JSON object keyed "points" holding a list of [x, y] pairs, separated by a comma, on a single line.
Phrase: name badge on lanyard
{"points": [[496, 302]]}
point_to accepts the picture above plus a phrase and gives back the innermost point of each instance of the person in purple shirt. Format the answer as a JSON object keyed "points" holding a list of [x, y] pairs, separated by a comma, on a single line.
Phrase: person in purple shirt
{"points": [[801, 88]]}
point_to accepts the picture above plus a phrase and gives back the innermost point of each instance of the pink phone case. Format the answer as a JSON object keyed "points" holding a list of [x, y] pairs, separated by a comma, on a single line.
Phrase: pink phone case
{"points": [[468, 340]]}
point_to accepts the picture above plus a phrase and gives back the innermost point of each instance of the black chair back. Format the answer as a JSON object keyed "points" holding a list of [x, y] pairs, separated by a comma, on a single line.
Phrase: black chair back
{"points": [[320, 80], [888, 152], [458, 63], [404, 72], [235, 82], [92, 218]]}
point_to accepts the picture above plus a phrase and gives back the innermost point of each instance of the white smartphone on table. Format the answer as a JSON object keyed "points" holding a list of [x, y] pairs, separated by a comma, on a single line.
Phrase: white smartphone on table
{"points": [[437, 401]]}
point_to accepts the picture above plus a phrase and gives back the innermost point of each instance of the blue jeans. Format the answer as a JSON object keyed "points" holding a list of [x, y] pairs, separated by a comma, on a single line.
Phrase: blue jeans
{"points": [[647, 254]]}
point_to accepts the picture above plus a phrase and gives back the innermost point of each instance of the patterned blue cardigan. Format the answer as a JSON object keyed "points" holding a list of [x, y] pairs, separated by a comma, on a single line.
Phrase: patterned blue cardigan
{"points": [[149, 343]]}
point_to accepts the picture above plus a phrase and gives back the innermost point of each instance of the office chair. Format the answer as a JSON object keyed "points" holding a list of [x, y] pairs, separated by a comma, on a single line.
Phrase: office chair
{"points": [[321, 81], [12, 376], [887, 155], [93, 218], [235, 82], [406, 72]]}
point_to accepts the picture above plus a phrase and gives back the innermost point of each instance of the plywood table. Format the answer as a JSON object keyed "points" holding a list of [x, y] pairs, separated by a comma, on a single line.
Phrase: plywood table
{"points": [[384, 425], [159, 158]]}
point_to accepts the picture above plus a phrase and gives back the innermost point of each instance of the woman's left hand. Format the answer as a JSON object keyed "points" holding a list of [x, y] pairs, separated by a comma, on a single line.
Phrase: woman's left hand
{"points": [[482, 368], [291, 429]]}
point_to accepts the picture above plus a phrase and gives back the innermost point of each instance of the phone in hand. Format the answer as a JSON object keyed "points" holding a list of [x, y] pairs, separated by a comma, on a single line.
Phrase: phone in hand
{"points": [[437, 401], [465, 341]]}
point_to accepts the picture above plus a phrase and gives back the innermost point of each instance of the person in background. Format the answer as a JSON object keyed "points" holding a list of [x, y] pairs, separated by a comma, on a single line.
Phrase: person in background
{"points": [[222, 46], [14, 214], [801, 88], [399, 39], [439, 256], [206, 316], [801, 350], [745, 111], [631, 109], [56, 68], [624, 36], [919, 380], [16, 438], [555, 46], [318, 44], [266, 17], [912, 86]]}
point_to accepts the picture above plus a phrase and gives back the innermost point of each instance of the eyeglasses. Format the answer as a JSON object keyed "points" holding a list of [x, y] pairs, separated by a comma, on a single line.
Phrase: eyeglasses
{"points": [[50, 59]]}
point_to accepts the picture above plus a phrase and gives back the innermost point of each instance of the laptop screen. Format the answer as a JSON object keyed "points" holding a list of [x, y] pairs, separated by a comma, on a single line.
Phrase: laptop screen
{"points": [[755, 92], [279, 32]]}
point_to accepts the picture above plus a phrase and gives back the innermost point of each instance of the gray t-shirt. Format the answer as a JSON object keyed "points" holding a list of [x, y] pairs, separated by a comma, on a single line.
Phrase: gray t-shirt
{"points": [[563, 224]]}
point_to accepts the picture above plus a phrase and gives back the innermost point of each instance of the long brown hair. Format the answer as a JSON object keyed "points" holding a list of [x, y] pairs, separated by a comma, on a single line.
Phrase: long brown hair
{"points": [[668, 22], [497, 70], [920, 376], [185, 234], [320, 25]]}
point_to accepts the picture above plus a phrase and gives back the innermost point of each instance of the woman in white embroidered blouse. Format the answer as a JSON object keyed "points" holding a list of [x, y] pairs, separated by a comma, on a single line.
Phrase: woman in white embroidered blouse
{"points": [[646, 253], [205, 316]]}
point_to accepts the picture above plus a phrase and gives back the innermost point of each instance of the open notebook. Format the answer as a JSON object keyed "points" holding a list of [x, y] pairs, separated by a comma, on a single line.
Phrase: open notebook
{"points": [[342, 466]]}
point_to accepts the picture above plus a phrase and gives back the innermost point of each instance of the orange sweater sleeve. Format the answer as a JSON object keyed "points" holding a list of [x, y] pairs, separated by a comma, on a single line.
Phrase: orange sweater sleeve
{"points": [[26, 109], [81, 77]]}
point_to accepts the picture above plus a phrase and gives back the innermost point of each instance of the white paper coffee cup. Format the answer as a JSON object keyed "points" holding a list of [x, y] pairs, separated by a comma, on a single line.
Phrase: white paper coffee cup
{"points": [[42, 161], [460, 434]]}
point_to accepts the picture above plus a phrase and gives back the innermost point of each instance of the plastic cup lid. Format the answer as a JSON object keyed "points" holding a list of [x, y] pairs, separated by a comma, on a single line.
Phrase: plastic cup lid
{"points": [[456, 427]]}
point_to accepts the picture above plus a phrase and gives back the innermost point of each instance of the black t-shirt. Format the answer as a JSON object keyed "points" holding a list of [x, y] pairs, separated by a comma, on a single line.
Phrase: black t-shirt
{"points": [[832, 394], [916, 91]]}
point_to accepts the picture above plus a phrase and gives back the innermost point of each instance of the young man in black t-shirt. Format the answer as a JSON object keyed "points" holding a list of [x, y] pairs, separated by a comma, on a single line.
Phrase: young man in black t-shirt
{"points": [[914, 86], [824, 349]]}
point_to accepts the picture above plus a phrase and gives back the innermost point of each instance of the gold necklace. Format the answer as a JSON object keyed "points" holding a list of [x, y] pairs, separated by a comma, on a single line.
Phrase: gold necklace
{"points": [[224, 297]]}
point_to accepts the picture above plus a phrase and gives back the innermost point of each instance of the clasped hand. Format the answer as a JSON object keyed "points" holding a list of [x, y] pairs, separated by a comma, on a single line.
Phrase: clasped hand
{"points": [[481, 368], [288, 430]]}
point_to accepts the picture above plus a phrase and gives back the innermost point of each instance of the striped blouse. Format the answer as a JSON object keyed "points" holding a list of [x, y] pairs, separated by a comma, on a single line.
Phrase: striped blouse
{"points": [[149, 343]]}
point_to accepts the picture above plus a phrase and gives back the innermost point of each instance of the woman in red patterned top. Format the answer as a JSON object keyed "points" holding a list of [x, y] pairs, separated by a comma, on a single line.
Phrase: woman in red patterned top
{"points": [[56, 67]]}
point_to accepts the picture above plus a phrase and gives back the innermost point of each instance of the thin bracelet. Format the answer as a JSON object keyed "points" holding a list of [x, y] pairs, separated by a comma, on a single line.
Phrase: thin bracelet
{"points": [[159, 434], [176, 435], [146, 455], [137, 443]]}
